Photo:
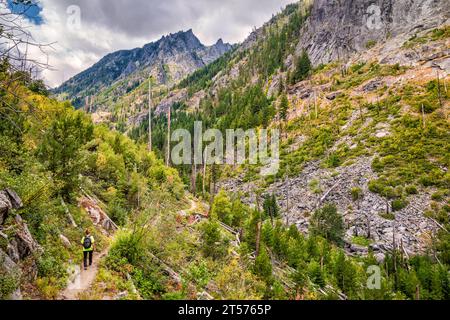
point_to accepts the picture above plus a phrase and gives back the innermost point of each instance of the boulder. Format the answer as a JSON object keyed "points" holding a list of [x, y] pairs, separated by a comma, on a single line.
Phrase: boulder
{"points": [[8, 200], [334, 95], [65, 241], [5, 205], [372, 85], [13, 251], [380, 257], [26, 245], [358, 249]]}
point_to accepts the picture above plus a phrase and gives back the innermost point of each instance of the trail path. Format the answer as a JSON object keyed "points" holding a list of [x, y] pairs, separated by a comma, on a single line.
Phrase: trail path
{"points": [[193, 207], [83, 279]]}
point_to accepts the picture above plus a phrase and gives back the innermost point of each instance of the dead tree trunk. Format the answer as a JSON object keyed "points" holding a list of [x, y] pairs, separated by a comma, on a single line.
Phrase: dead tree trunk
{"points": [[150, 115], [168, 137], [204, 173], [258, 237], [439, 88]]}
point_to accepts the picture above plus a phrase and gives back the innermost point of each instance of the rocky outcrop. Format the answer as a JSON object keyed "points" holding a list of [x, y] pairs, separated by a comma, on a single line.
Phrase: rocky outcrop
{"points": [[19, 249], [337, 28], [23, 241], [8, 200]]}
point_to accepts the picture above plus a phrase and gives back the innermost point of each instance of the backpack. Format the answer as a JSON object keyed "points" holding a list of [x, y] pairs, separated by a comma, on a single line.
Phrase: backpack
{"points": [[87, 242]]}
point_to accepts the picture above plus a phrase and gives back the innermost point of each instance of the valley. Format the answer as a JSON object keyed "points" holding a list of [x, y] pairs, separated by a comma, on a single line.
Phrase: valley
{"points": [[361, 102]]}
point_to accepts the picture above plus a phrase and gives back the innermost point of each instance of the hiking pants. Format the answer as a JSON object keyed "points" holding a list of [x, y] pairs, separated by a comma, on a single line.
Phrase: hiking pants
{"points": [[85, 257]]}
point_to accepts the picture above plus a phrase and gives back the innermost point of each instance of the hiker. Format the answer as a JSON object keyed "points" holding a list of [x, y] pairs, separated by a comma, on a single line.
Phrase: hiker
{"points": [[88, 244]]}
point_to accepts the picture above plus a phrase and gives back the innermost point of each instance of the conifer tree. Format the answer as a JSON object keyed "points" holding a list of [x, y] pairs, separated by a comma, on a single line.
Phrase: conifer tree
{"points": [[302, 69]]}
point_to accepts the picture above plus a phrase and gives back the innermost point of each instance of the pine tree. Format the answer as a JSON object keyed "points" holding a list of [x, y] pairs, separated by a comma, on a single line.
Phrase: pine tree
{"points": [[263, 265], [328, 223], [284, 106], [303, 68], [221, 208]]}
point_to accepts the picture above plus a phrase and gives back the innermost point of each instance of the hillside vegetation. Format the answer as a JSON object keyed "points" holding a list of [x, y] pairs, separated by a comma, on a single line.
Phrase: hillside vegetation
{"points": [[362, 190]]}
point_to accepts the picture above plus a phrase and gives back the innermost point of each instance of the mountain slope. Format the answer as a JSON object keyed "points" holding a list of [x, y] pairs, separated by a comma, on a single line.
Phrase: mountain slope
{"points": [[346, 122], [363, 180], [166, 60]]}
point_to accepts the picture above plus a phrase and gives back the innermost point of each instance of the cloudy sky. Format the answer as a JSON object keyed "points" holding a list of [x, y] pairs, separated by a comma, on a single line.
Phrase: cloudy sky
{"points": [[83, 31]]}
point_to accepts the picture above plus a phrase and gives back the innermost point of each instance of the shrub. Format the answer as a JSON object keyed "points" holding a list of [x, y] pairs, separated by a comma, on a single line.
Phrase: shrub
{"points": [[9, 281], [126, 249], [200, 274], [333, 161], [370, 44], [50, 265], [438, 196], [398, 204], [356, 193], [411, 190], [387, 216], [149, 282], [221, 208], [117, 213], [376, 186], [361, 241]]}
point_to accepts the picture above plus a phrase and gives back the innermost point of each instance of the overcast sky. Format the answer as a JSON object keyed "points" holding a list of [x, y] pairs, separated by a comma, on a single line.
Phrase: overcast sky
{"points": [[109, 25]]}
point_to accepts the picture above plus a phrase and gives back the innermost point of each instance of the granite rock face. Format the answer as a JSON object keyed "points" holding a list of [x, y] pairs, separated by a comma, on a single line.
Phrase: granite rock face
{"points": [[337, 28]]}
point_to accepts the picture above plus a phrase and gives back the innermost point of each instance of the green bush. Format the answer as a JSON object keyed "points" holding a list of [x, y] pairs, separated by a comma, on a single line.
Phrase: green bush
{"points": [[438, 196], [370, 44], [117, 213], [411, 189], [356, 193], [9, 281], [376, 186], [398, 204], [333, 161], [51, 265], [127, 249], [149, 283]]}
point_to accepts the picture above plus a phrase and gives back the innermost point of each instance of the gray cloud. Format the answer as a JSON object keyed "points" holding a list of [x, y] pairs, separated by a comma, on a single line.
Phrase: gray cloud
{"points": [[109, 25]]}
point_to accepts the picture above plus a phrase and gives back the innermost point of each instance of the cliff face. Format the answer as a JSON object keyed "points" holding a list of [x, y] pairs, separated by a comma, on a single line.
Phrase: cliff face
{"points": [[337, 28]]}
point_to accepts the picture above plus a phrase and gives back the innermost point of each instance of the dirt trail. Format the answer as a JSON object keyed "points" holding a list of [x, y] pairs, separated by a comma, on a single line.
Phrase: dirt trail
{"points": [[83, 279], [193, 207]]}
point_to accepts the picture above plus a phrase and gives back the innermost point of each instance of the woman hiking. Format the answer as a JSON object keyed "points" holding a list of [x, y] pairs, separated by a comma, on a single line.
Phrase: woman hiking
{"points": [[88, 244]]}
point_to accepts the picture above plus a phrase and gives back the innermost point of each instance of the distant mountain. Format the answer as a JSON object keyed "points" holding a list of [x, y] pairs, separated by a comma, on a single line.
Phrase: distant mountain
{"points": [[168, 60]]}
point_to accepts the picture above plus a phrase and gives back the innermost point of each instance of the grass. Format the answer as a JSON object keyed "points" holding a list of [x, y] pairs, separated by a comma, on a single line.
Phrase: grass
{"points": [[434, 35], [387, 216]]}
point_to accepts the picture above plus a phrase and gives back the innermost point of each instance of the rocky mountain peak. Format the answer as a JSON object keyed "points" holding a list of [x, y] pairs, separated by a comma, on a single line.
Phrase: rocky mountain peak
{"points": [[169, 59]]}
